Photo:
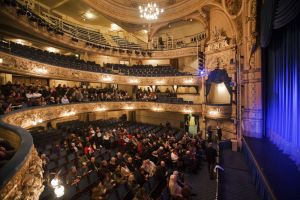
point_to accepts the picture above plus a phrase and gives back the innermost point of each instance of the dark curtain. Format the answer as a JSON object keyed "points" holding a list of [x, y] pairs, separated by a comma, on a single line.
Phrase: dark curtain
{"points": [[218, 76], [283, 89], [274, 15]]}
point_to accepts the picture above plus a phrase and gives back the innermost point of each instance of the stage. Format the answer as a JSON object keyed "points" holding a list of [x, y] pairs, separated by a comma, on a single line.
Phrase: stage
{"points": [[279, 170]]}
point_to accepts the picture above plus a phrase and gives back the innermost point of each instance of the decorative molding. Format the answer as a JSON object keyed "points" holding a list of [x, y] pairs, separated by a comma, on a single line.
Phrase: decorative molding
{"points": [[19, 65], [218, 111], [30, 117], [27, 183]]}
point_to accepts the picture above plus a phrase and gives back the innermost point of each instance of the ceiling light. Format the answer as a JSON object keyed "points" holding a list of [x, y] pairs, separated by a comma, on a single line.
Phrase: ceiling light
{"points": [[40, 70], [20, 41], [150, 11], [89, 15], [188, 81], [114, 27], [52, 49]]}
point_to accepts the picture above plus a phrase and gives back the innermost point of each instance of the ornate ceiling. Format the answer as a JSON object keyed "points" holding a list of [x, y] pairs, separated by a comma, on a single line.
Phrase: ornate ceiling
{"points": [[126, 11]]}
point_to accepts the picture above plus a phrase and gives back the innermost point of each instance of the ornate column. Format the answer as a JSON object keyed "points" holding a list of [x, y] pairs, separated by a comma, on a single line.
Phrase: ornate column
{"points": [[252, 122]]}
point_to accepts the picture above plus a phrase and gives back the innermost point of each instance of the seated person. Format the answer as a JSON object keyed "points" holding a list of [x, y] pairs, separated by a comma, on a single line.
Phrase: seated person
{"points": [[73, 176]]}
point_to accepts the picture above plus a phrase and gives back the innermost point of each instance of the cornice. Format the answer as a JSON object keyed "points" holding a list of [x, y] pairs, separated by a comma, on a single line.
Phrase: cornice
{"points": [[19, 65]]}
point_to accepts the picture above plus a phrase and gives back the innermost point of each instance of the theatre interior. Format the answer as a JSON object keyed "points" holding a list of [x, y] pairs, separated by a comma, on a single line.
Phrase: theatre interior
{"points": [[150, 99]]}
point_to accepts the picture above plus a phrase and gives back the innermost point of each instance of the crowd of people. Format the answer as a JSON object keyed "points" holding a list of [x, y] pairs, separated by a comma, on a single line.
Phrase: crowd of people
{"points": [[139, 157], [20, 95]]}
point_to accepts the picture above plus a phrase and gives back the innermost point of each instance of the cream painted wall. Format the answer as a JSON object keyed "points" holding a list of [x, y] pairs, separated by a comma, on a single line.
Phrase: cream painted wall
{"points": [[53, 82], [218, 94], [190, 97], [4, 78], [190, 28], [155, 62], [152, 117], [100, 59], [188, 64], [127, 88], [219, 19], [107, 115]]}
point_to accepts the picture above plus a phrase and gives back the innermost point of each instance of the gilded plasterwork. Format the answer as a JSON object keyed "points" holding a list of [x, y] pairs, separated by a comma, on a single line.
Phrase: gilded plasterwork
{"points": [[18, 65]]}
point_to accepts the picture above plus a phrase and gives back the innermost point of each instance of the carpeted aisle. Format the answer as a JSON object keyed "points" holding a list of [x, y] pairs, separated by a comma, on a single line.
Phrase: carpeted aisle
{"points": [[237, 178], [203, 187]]}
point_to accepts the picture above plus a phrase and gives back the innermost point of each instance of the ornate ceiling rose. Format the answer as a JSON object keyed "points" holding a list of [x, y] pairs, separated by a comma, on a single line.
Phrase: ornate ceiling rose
{"points": [[128, 10]]}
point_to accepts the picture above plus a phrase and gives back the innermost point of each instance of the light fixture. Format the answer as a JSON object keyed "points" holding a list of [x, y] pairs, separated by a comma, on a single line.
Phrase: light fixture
{"points": [[187, 110], [133, 81], [106, 78], [40, 70], [188, 81], [68, 113], [20, 41], [150, 11], [52, 49], [54, 182], [114, 27], [88, 15], [59, 191], [1, 60], [157, 109], [214, 113], [160, 82], [100, 109], [129, 107]]}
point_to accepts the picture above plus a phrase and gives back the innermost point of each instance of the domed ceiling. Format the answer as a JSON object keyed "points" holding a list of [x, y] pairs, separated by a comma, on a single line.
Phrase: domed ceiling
{"points": [[136, 3], [127, 10]]}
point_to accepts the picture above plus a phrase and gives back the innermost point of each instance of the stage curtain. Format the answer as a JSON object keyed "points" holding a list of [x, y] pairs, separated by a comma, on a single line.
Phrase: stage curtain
{"points": [[274, 15], [283, 89]]}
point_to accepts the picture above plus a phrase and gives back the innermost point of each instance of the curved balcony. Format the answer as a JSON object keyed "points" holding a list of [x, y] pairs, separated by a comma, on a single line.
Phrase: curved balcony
{"points": [[18, 171], [19, 65], [27, 118], [68, 40]]}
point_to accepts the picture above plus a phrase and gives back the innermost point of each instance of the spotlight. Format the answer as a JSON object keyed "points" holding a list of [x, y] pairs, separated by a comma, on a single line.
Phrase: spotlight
{"points": [[54, 182], [59, 191]]}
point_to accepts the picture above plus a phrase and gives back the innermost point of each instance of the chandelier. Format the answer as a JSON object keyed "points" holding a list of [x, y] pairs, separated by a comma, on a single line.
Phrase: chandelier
{"points": [[150, 11]]}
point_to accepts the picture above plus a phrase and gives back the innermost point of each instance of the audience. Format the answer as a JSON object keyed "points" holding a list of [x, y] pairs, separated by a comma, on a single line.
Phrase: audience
{"points": [[130, 164]]}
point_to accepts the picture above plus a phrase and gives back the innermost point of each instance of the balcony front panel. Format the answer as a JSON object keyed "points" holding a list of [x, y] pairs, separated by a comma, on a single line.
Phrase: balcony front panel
{"points": [[19, 65]]}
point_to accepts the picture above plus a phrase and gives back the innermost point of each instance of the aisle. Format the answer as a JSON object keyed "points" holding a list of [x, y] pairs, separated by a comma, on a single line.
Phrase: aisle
{"points": [[238, 184], [203, 187]]}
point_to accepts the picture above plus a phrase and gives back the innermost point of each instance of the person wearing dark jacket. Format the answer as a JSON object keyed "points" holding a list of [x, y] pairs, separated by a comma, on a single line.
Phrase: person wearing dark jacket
{"points": [[211, 154]]}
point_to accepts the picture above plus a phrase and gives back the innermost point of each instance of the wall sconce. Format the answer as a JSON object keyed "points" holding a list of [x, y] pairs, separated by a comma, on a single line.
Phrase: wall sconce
{"points": [[133, 81], [160, 82], [100, 109], [106, 78], [1, 60], [129, 107], [40, 70], [214, 113], [68, 113], [157, 109], [188, 81], [188, 110]]}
